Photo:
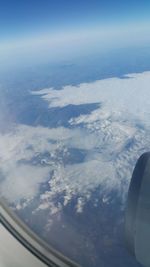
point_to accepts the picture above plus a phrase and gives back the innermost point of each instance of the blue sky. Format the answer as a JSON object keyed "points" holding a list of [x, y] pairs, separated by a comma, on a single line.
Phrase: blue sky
{"points": [[54, 27], [25, 17]]}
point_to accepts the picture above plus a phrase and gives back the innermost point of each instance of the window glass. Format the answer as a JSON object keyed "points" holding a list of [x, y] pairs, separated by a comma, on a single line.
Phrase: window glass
{"points": [[74, 118]]}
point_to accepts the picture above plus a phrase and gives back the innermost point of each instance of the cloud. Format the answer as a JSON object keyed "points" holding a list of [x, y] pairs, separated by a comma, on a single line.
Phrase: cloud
{"points": [[127, 95], [20, 176], [22, 182], [113, 136]]}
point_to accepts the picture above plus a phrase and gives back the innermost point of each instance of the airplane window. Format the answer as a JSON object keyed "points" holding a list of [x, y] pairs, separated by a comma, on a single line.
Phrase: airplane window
{"points": [[74, 119]]}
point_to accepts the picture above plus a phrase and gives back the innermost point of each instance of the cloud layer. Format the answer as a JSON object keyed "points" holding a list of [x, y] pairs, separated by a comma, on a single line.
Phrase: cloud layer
{"points": [[112, 137], [118, 95]]}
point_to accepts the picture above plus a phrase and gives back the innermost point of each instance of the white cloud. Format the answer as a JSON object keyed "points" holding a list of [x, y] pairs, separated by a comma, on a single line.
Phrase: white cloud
{"points": [[22, 182], [110, 133], [127, 95], [111, 138], [22, 178]]}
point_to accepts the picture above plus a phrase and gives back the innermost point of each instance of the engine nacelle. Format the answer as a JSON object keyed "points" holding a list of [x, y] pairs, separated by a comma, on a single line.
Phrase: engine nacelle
{"points": [[137, 224]]}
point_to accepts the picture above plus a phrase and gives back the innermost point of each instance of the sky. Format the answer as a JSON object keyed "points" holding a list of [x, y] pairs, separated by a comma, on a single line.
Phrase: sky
{"points": [[34, 27], [32, 16]]}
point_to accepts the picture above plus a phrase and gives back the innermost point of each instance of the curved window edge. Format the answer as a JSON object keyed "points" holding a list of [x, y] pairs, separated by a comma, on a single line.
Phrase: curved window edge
{"points": [[39, 248]]}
